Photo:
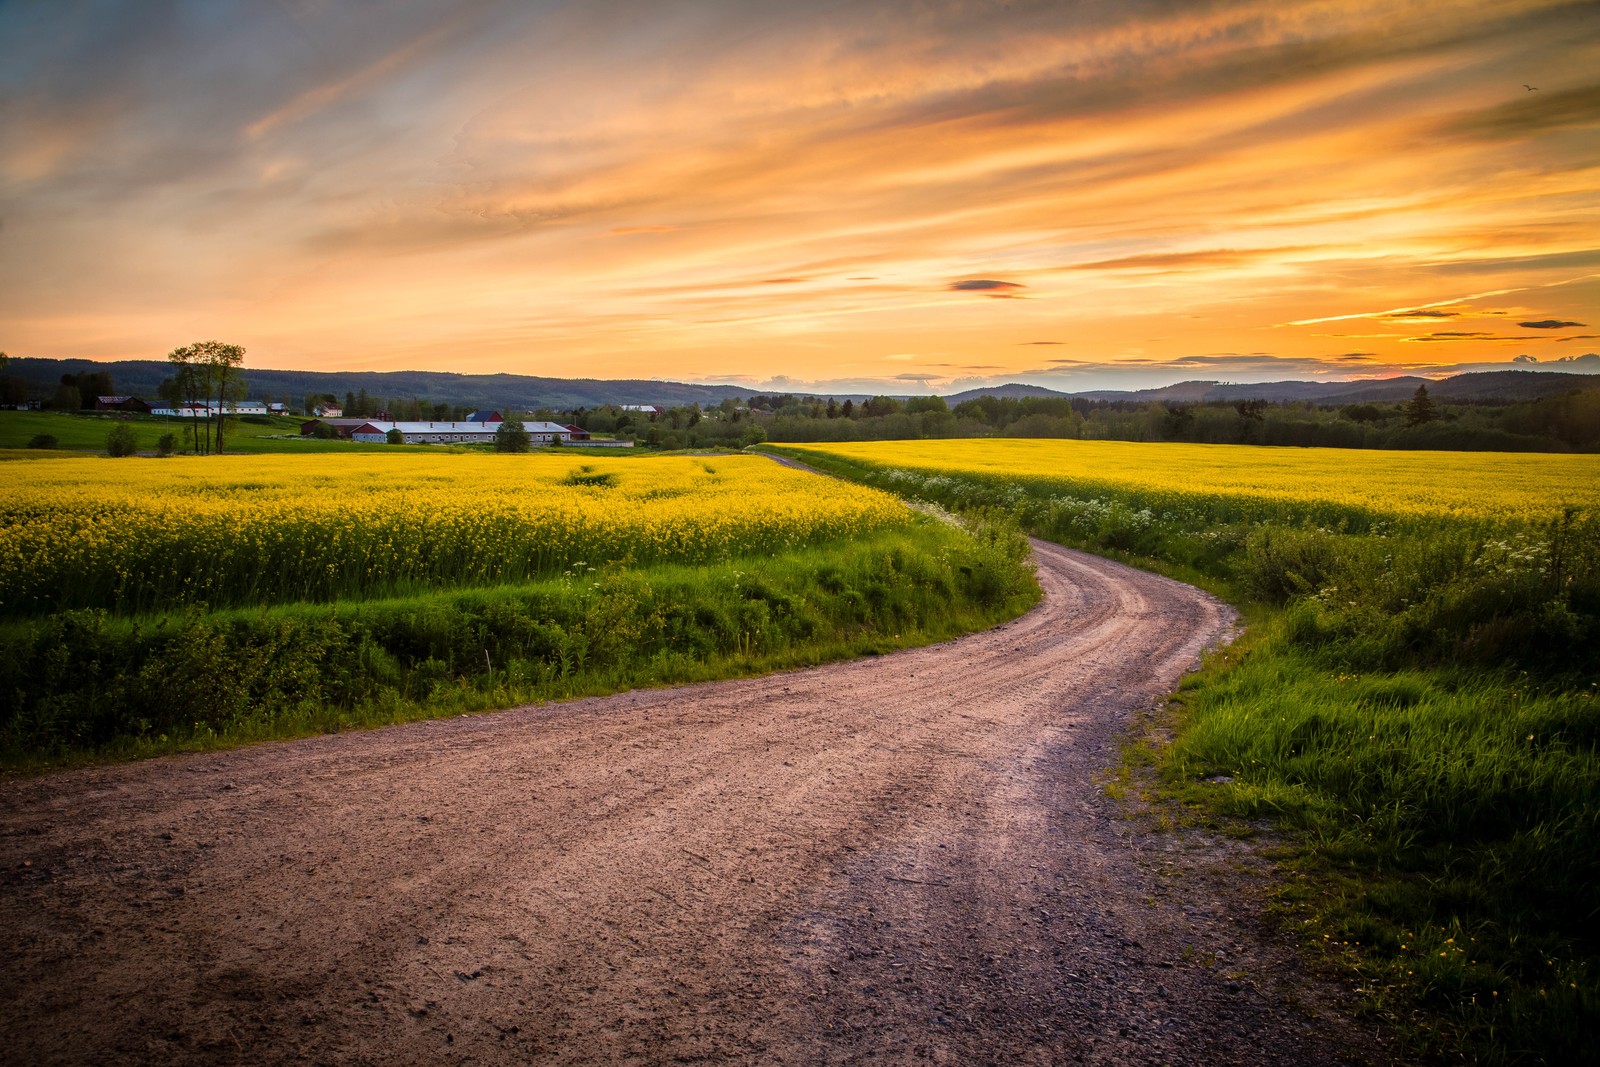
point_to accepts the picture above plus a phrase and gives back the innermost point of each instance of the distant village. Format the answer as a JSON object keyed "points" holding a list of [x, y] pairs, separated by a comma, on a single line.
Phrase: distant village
{"points": [[328, 421]]}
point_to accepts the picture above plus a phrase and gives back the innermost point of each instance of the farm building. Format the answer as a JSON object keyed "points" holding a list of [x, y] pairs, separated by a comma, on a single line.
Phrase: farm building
{"points": [[121, 403], [340, 427], [376, 431], [208, 409], [548, 433]]}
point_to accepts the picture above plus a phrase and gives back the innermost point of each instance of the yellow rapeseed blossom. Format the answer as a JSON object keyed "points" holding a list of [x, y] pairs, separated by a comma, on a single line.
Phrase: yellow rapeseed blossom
{"points": [[1247, 481], [139, 534]]}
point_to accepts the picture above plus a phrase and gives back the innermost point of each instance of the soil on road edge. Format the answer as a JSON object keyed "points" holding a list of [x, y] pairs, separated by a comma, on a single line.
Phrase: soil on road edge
{"points": [[898, 860]]}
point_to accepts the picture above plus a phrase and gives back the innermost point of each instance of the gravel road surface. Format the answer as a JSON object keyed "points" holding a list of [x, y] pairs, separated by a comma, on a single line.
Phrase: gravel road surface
{"points": [[908, 859]]}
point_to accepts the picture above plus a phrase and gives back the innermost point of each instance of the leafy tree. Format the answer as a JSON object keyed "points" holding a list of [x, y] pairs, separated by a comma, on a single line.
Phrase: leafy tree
{"points": [[42, 440], [1177, 420], [1420, 409], [66, 397], [122, 441], [1367, 413], [394, 436], [204, 371], [167, 444], [189, 389], [1251, 410], [92, 385], [512, 436]]}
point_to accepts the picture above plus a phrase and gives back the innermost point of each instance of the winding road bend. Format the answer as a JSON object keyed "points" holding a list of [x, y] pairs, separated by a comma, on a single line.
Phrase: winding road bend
{"points": [[907, 859]]}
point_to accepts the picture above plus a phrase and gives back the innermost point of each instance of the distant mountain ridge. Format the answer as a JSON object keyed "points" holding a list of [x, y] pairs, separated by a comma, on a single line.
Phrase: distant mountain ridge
{"points": [[517, 391], [1476, 385]]}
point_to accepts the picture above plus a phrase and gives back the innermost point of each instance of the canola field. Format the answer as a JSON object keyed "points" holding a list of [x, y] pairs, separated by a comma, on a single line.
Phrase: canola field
{"points": [[141, 535], [1231, 482]]}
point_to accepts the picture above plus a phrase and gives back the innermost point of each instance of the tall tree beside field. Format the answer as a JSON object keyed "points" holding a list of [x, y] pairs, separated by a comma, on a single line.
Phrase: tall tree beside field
{"points": [[66, 398], [1420, 409], [204, 371], [225, 362], [189, 390], [92, 385]]}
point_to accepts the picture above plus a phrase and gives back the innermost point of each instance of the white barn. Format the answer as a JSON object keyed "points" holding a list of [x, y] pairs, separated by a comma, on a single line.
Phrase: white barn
{"points": [[455, 433]]}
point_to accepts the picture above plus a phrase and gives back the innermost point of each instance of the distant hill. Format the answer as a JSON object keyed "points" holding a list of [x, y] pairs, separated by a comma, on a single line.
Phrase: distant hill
{"points": [[1009, 391], [517, 391], [1478, 385]]}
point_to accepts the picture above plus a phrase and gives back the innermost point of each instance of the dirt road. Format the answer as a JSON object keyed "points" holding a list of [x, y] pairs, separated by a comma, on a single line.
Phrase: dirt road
{"points": [[899, 860]]}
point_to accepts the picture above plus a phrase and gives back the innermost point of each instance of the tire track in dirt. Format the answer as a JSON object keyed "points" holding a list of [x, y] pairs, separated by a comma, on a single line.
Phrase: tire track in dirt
{"points": [[901, 859]]}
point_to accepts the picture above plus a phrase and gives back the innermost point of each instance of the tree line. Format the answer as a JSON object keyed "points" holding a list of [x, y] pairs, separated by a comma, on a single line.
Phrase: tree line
{"points": [[1566, 423]]}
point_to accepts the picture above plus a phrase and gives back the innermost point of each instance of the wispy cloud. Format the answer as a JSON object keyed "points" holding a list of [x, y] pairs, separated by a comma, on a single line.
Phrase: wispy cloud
{"points": [[986, 286], [1208, 258]]}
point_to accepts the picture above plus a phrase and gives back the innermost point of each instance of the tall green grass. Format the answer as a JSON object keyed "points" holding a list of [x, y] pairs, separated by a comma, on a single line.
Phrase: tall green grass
{"points": [[91, 685], [1419, 706]]}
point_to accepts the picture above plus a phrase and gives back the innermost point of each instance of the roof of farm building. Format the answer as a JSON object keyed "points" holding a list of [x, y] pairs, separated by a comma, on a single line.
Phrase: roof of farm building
{"points": [[384, 426]]}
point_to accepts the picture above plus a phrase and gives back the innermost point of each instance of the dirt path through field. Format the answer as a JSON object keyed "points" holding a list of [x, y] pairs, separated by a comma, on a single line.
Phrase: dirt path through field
{"points": [[900, 860]]}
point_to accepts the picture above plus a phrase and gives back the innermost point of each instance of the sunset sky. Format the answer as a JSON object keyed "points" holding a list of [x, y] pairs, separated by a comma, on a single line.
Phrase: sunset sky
{"points": [[851, 196]]}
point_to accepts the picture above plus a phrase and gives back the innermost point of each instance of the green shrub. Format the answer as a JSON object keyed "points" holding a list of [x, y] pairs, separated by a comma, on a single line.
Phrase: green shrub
{"points": [[122, 441]]}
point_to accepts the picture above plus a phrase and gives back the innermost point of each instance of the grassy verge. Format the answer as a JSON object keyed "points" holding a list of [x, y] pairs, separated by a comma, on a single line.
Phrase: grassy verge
{"points": [[1416, 704], [87, 685]]}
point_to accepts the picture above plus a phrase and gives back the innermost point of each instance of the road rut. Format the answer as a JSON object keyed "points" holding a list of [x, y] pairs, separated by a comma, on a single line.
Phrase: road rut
{"points": [[902, 859]]}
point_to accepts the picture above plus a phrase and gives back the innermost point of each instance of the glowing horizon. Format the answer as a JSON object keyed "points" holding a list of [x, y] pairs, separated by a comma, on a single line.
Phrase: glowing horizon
{"points": [[888, 196]]}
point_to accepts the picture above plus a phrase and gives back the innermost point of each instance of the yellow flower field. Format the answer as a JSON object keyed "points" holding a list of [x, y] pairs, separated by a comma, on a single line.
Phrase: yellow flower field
{"points": [[1250, 479], [138, 534]]}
